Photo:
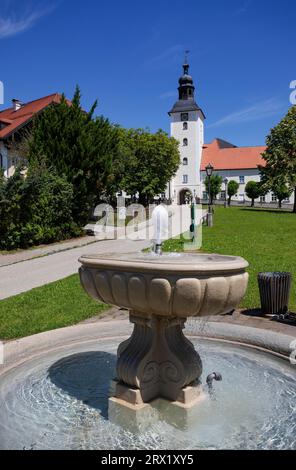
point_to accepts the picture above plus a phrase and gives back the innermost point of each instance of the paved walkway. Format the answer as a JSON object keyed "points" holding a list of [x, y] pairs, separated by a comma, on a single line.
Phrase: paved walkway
{"points": [[24, 270], [26, 275], [43, 250]]}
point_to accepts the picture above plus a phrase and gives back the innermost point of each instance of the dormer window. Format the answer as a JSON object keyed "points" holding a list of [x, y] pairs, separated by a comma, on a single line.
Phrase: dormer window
{"points": [[185, 161], [185, 126], [185, 142]]}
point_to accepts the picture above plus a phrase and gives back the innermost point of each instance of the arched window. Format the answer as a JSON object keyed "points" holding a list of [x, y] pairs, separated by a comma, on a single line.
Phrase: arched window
{"points": [[185, 142], [185, 161], [185, 126]]}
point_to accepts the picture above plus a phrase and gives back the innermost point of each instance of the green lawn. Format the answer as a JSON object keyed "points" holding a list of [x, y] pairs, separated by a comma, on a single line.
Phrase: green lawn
{"points": [[54, 305], [265, 238]]}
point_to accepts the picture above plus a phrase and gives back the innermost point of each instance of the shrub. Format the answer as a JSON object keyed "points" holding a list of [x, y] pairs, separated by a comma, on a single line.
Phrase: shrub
{"points": [[35, 209]]}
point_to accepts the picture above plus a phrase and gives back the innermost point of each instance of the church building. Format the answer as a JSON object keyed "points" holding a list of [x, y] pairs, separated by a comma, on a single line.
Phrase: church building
{"points": [[229, 161]]}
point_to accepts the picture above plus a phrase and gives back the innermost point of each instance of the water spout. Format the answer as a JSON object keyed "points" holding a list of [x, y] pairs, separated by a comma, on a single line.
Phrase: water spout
{"points": [[160, 221], [210, 378]]}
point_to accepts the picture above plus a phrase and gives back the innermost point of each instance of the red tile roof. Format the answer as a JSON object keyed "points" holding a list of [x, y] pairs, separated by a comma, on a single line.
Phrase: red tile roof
{"points": [[223, 155], [14, 120]]}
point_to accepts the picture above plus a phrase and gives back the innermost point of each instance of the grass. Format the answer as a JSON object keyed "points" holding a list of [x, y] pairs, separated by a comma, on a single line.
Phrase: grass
{"points": [[265, 238], [54, 305]]}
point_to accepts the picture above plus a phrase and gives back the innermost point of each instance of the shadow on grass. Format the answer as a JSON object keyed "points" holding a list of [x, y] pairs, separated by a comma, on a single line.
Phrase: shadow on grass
{"points": [[86, 376], [270, 211]]}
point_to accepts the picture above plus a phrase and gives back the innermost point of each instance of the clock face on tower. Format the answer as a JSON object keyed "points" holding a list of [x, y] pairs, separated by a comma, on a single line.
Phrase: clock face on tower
{"points": [[184, 116]]}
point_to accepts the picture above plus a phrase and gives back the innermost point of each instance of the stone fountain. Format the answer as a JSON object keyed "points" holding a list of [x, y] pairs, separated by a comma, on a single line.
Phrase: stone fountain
{"points": [[54, 386], [161, 291]]}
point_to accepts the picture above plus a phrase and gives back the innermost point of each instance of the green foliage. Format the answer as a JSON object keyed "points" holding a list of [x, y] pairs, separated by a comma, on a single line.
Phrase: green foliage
{"points": [[253, 191], [232, 189], [35, 209], [80, 147], [281, 191], [280, 155], [150, 161], [93, 159], [214, 188]]}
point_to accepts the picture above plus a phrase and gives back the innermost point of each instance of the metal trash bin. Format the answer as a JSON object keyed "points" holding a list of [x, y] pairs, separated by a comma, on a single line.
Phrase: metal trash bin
{"points": [[274, 291]]}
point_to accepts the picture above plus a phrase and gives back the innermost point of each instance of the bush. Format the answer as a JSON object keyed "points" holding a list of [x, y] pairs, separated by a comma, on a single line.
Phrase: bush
{"points": [[35, 209]]}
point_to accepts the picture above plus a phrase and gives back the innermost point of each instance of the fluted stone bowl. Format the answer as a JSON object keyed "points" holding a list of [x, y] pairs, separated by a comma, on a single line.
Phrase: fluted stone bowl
{"points": [[171, 285]]}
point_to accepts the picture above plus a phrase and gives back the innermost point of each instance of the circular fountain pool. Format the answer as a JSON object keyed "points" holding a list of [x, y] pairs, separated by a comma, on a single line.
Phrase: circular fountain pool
{"points": [[59, 400]]}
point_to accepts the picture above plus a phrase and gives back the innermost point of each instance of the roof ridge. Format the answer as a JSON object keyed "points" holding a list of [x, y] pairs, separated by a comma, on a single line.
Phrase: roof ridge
{"points": [[30, 102], [23, 115], [42, 98]]}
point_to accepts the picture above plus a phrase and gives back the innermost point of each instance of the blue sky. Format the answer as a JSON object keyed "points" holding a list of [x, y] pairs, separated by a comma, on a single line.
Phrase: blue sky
{"points": [[128, 54]]}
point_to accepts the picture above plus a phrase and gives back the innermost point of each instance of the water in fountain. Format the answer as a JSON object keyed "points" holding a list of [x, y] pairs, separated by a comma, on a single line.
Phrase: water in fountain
{"points": [[60, 401]]}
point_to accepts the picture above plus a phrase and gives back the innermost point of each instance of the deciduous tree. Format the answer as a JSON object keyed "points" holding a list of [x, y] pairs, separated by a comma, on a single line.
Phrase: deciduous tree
{"points": [[253, 191], [150, 161], [214, 188], [232, 190], [280, 155]]}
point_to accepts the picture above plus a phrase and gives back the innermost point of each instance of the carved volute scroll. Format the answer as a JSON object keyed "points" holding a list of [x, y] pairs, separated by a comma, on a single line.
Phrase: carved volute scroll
{"points": [[158, 359]]}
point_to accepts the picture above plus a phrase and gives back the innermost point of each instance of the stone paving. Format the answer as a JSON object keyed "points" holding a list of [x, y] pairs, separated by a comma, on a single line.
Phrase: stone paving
{"points": [[254, 319]]}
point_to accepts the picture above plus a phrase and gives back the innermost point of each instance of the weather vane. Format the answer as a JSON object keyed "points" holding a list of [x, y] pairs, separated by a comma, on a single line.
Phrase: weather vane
{"points": [[186, 56]]}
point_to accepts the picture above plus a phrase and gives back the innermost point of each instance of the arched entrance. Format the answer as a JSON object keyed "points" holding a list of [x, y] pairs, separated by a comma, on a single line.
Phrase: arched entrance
{"points": [[185, 196]]}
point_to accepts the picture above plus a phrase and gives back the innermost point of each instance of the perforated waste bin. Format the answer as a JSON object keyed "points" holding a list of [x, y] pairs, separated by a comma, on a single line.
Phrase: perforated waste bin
{"points": [[274, 291]]}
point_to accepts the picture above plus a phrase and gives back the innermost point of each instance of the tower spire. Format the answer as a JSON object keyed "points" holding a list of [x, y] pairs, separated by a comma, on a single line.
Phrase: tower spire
{"points": [[186, 87], [186, 65]]}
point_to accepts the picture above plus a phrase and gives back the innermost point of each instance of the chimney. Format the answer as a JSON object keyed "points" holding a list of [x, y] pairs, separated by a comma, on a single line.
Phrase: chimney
{"points": [[16, 104]]}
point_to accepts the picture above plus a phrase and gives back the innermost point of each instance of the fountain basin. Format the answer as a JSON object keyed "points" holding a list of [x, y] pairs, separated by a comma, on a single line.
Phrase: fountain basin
{"points": [[57, 397], [173, 285]]}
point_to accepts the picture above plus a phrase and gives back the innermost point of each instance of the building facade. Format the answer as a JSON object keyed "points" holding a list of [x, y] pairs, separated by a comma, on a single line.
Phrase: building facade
{"points": [[229, 161]]}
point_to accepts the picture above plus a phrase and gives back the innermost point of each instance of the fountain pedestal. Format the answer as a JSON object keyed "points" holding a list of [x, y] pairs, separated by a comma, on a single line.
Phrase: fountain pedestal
{"points": [[157, 360]]}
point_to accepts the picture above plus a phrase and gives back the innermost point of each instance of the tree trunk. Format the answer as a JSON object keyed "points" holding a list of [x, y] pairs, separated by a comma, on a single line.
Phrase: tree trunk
{"points": [[280, 204], [253, 202], [294, 207], [142, 199], [229, 200]]}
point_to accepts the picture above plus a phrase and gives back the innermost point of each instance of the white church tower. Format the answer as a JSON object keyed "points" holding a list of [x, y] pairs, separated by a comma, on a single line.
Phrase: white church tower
{"points": [[187, 126]]}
